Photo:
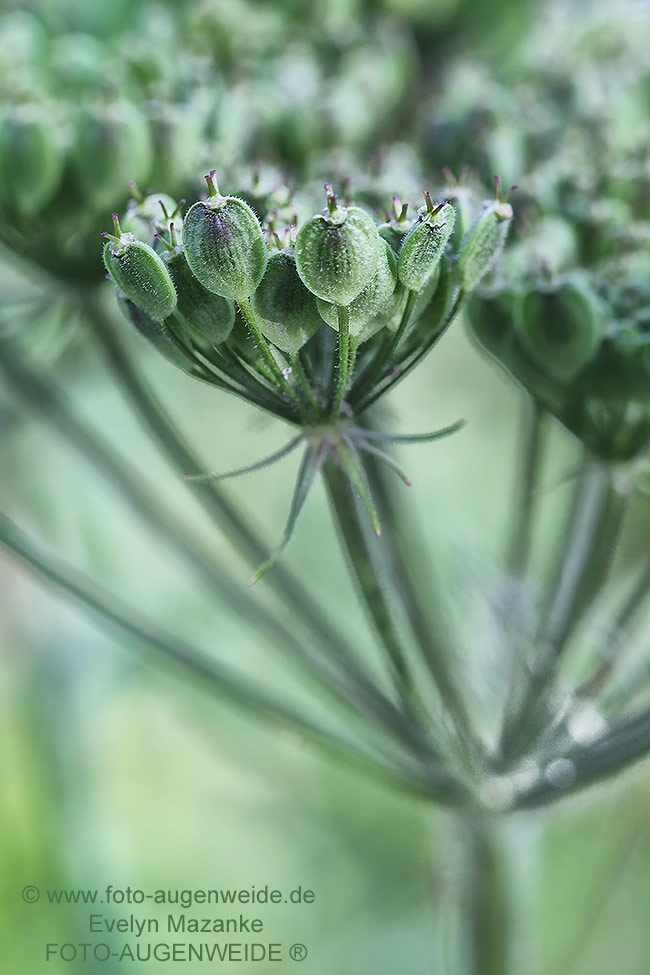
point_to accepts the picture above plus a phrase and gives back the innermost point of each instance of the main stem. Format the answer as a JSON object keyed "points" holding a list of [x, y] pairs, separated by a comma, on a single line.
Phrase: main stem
{"points": [[493, 915]]}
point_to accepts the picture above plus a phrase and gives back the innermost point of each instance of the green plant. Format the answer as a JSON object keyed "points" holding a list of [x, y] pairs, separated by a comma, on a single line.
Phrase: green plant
{"points": [[313, 317]]}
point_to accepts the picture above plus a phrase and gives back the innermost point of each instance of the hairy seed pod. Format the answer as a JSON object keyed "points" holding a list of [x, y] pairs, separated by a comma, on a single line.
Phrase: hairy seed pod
{"points": [[224, 244], [30, 161], [397, 225], [337, 251], [425, 244], [560, 328], [285, 310], [203, 313], [145, 217], [139, 272], [388, 317], [484, 243], [372, 299]]}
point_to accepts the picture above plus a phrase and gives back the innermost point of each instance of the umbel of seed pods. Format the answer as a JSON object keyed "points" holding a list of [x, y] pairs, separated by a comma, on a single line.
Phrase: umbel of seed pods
{"points": [[313, 328]]}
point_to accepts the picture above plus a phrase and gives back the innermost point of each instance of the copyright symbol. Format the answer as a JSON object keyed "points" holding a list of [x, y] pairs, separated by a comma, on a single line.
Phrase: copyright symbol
{"points": [[31, 894], [298, 952]]}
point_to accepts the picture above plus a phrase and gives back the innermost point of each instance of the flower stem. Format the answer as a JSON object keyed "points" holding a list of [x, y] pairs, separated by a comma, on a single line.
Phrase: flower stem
{"points": [[298, 371], [399, 548], [527, 471], [343, 359], [334, 646], [249, 317], [211, 673], [584, 566], [360, 695], [494, 913], [357, 544]]}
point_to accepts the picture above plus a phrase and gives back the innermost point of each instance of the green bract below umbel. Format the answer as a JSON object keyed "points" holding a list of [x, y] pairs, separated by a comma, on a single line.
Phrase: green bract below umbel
{"points": [[311, 321]]}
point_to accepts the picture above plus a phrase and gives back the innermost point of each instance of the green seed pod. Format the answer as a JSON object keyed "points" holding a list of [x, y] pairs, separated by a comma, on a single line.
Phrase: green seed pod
{"points": [[285, 310], [111, 147], [30, 162], [372, 299], [423, 248], [491, 322], [80, 64], [484, 242], [463, 200], [145, 217], [397, 225], [155, 333], [430, 309], [177, 136], [201, 312], [224, 244], [139, 272], [337, 252], [389, 317], [560, 328]]}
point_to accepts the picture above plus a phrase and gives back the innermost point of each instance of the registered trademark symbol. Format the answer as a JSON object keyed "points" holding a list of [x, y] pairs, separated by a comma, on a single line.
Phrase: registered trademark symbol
{"points": [[298, 952]]}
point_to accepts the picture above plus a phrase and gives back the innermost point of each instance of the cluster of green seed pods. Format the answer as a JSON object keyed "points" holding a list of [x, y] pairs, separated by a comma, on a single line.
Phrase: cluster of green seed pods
{"points": [[312, 322], [563, 341]]}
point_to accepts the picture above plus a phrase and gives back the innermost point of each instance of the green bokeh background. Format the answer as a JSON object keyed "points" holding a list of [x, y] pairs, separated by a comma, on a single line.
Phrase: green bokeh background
{"points": [[116, 771]]}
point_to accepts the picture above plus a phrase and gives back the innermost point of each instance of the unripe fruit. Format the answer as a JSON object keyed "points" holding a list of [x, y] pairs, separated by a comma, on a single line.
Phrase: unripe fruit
{"points": [[372, 299], [397, 225], [155, 333], [285, 310], [201, 312], [337, 251], [484, 242], [560, 328], [111, 147], [423, 248], [139, 272], [224, 244], [30, 161], [145, 217]]}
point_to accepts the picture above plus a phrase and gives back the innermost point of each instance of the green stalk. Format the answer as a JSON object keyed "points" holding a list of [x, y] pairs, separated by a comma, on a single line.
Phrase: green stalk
{"points": [[334, 646], [262, 344], [343, 360], [360, 696], [209, 672], [584, 566], [399, 543], [354, 538], [623, 618], [303, 383], [526, 473], [498, 876], [405, 368], [372, 374], [486, 917]]}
